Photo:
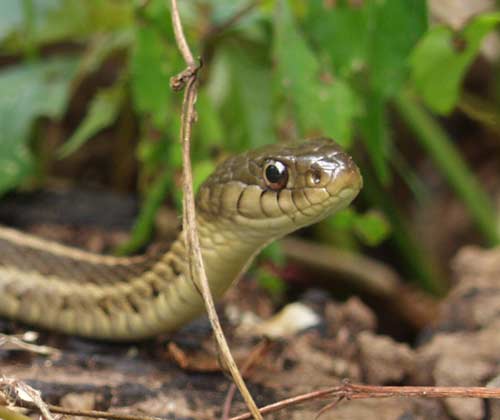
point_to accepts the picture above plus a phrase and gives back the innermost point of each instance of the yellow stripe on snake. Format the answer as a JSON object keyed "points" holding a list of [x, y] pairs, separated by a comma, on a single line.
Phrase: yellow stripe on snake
{"points": [[250, 200]]}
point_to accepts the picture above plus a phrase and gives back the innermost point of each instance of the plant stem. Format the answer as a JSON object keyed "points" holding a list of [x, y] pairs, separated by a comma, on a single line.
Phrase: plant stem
{"points": [[30, 47], [440, 147], [422, 265], [144, 225]]}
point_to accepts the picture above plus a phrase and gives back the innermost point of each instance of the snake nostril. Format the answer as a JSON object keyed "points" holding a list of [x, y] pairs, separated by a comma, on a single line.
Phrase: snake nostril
{"points": [[314, 177]]}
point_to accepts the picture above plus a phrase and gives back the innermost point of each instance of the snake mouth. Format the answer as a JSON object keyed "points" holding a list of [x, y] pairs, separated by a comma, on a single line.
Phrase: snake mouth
{"points": [[342, 181], [334, 197], [346, 185]]}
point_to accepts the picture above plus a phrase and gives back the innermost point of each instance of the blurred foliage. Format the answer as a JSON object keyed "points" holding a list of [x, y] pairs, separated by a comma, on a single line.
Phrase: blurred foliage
{"points": [[29, 91], [452, 54], [272, 70]]}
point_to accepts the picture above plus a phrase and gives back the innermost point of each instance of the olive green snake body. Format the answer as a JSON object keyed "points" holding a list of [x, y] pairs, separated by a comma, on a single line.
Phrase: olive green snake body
{"points": [[250, 200]]}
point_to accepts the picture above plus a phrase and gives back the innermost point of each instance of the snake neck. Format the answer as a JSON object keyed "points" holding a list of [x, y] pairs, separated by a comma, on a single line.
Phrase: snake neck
{"points": [[71, 291], [227, 251]]}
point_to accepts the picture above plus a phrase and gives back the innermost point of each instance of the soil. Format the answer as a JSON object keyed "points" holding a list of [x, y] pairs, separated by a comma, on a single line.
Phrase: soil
{"points": [[179, 376]]}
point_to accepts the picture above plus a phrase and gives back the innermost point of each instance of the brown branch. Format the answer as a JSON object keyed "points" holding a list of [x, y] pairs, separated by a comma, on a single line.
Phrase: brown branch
{"points": [[91, 413], [349, 391], [179, 36], [289, 402], [198, 274]]}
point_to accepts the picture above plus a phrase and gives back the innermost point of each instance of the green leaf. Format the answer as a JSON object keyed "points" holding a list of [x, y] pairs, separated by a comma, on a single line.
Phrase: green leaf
{"points": [[74, 19], [222, 10], [274, 252], [373, 57], [274, 285], [29, 91], [396, 27], [373, 39], [342, 220], [101, 48], [10, 18], [151, 73], [201, 171], [51, 21], [331, 28], [322, 104], [156, 13], [441, 59], [210, 131], [372, 228], [103, 112], [374, 127], [248, 105]]}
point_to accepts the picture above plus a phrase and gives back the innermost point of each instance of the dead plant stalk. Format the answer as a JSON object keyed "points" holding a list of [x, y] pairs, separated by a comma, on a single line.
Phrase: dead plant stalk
{"points": [[189, 80]]}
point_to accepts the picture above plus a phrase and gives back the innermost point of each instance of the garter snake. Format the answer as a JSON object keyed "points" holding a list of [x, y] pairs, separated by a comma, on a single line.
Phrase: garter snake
{"points": [[250, 200]]}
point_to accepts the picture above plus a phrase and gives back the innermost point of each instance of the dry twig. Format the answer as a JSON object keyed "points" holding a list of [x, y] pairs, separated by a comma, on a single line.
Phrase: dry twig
{"points": [[93, 413], [20, 393], [9, 342], [188, 78], [348, 391]]}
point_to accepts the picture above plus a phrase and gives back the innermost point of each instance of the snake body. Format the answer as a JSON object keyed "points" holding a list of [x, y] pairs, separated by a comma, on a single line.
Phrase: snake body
{"points": [[250, 200]]}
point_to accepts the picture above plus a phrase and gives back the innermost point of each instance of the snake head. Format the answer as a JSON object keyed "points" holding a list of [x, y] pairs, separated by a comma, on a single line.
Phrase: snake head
{"points": [[279, 188]]}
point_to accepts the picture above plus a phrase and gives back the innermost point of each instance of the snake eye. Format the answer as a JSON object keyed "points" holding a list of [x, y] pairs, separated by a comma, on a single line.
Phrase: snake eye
{"points": [[275, 174]]}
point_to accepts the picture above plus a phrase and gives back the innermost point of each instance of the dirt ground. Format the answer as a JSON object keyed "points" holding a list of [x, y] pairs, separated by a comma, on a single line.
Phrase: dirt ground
{"points": [[317, 343]]}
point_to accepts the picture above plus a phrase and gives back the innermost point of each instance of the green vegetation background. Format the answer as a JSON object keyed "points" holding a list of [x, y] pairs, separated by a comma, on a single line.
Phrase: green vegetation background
{"points": [[271, 71]]}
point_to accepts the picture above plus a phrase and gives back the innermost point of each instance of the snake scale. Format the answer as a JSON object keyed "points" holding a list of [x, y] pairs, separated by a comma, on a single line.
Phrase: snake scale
{"points": [[250, 200]]}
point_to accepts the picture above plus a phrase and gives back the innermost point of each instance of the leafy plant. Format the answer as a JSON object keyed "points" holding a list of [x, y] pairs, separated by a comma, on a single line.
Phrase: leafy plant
{"points": [[272, 70]]}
